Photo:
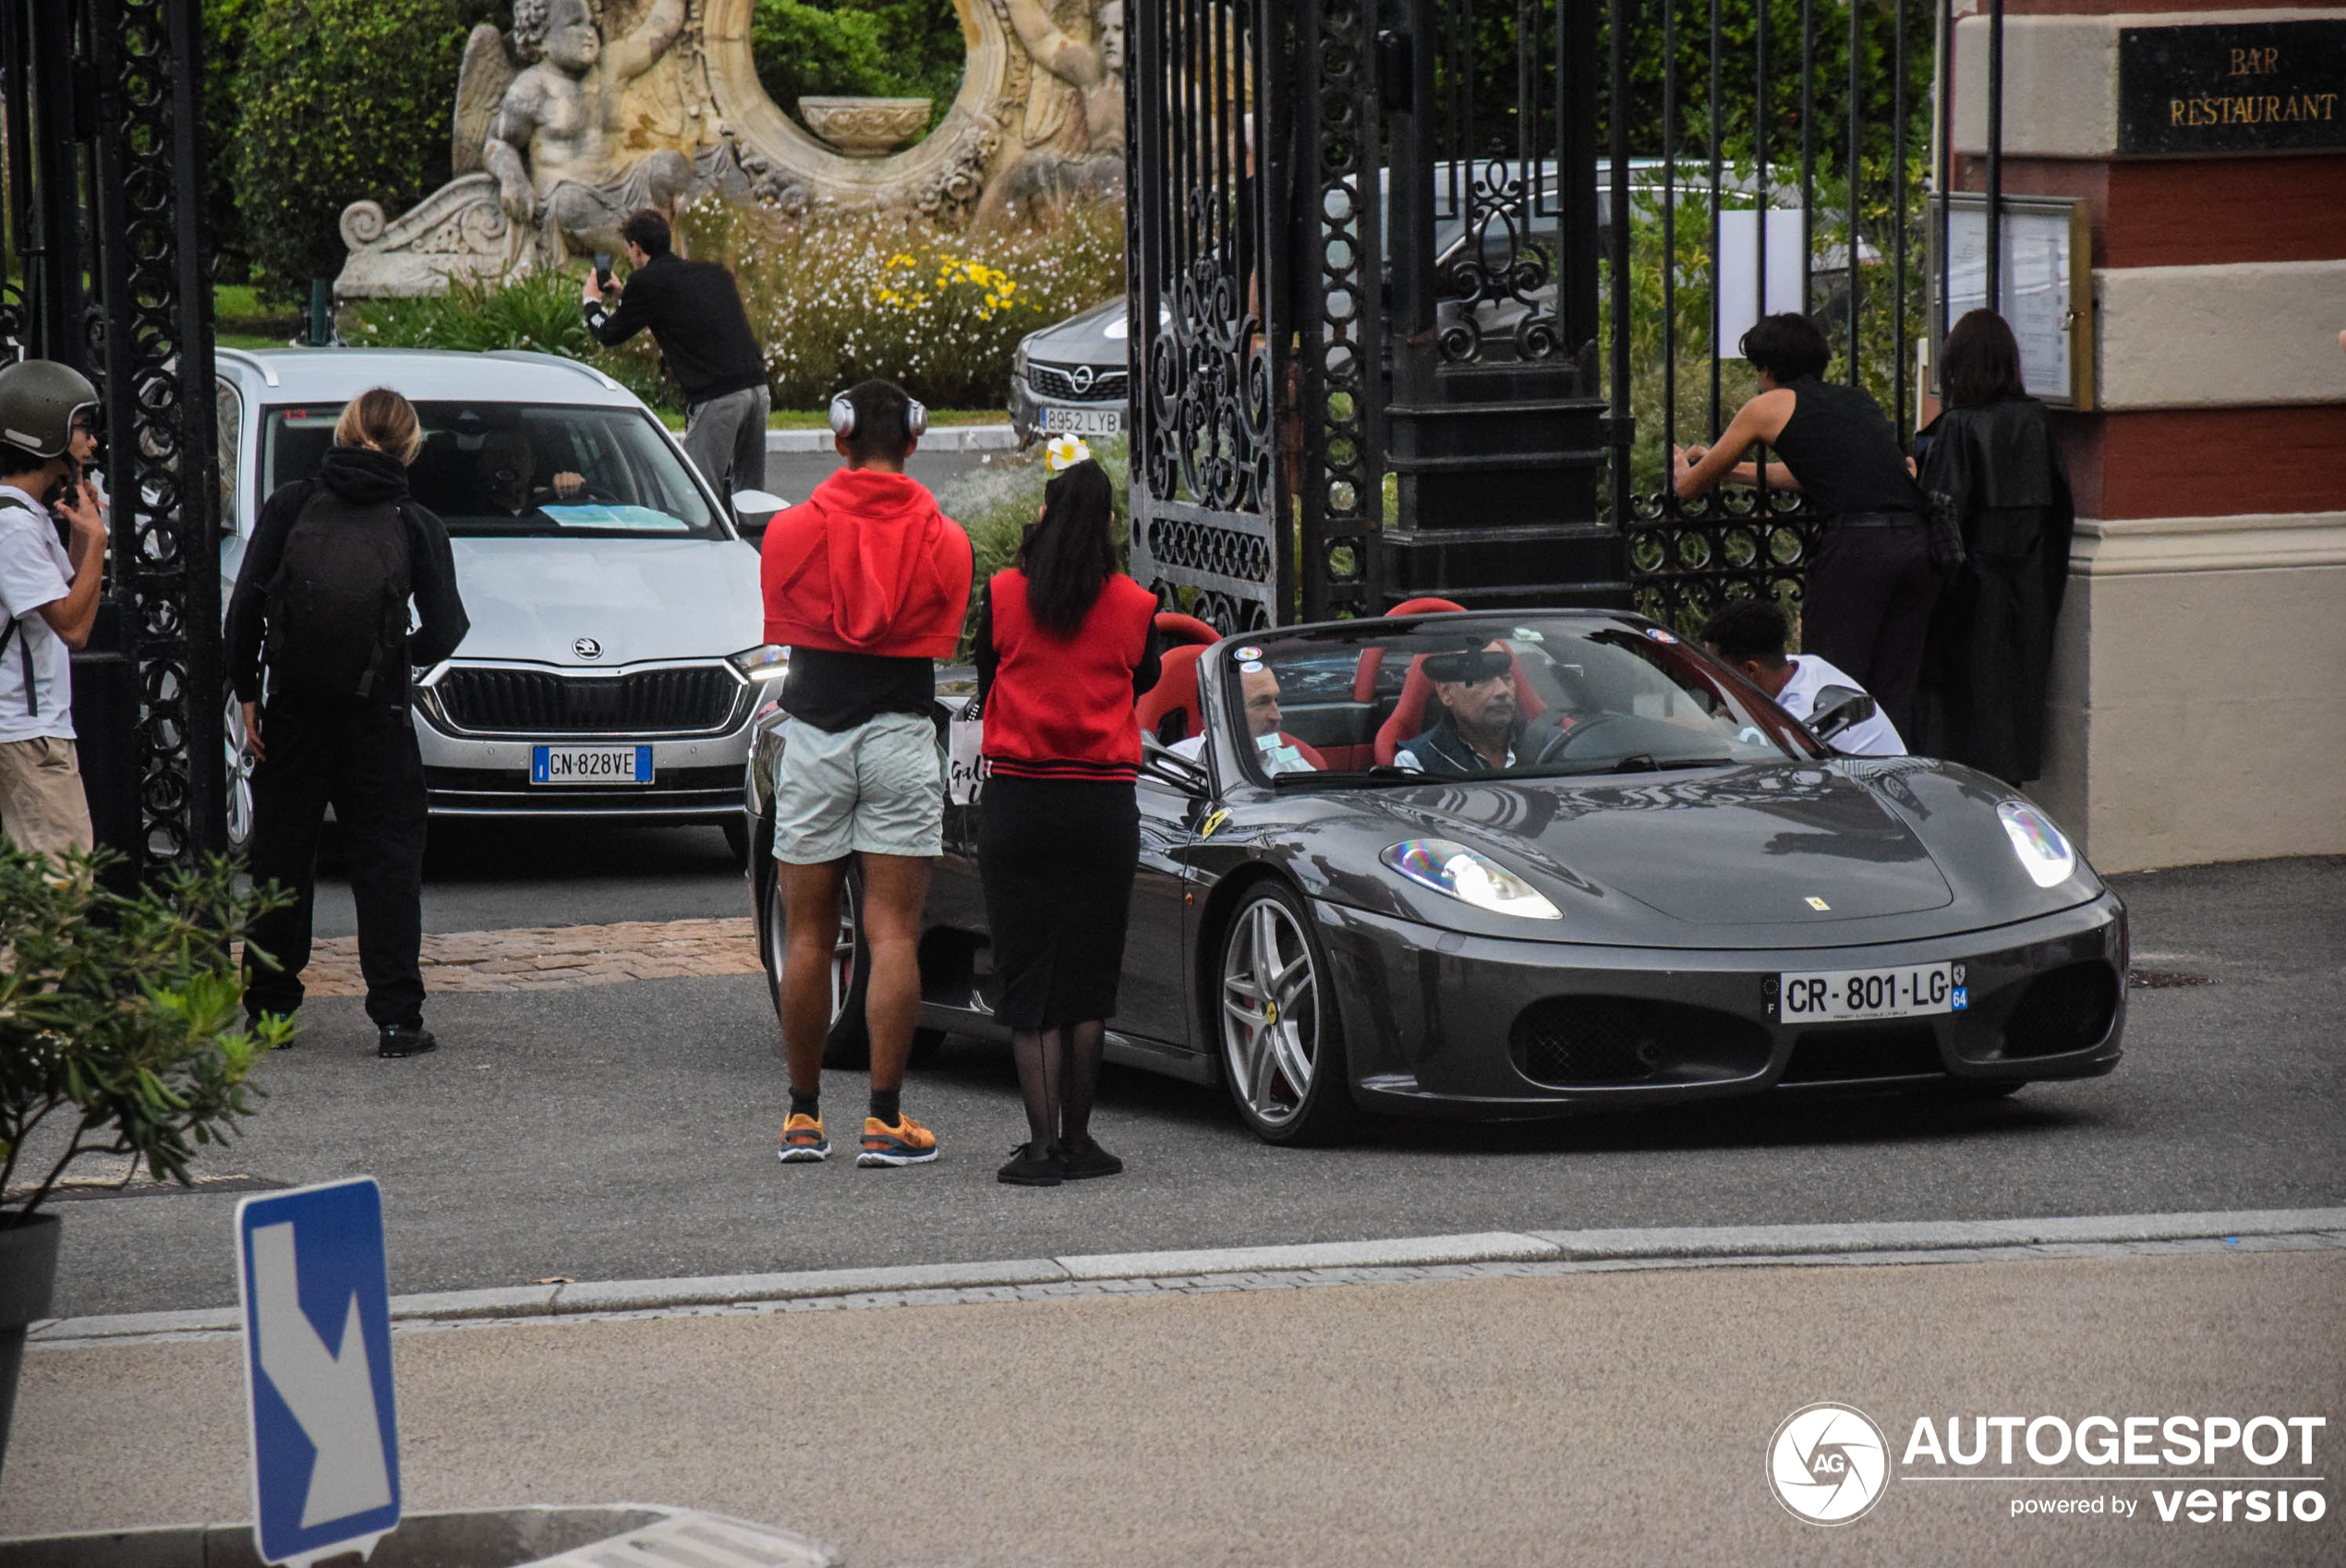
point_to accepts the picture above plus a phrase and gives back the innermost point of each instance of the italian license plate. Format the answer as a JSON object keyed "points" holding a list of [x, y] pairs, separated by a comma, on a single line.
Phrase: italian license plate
{"points": [[1905, 992], [590, 765], [1083, 421]]}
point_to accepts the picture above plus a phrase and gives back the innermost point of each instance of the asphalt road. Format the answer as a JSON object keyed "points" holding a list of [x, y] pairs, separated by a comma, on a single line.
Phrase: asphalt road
{"points": [[793, 475], [625, 1131], [1595, 1418]]}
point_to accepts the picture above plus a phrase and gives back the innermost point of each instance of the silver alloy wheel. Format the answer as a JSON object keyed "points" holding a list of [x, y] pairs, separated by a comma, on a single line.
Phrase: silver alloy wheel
{"points": [[842, 946], [239, 778], [1270, 1011]]}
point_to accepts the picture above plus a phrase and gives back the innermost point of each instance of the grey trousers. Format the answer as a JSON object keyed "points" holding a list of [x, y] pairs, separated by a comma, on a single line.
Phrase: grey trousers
{"points": [[726, 440]]}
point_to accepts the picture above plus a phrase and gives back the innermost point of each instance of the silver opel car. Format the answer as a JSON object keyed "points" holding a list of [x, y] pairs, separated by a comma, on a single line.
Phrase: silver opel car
{"points": [[615, 658]]}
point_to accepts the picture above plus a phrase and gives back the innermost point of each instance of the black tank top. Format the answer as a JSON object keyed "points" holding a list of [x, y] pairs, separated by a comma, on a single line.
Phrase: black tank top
{"points": [[1841, 448]]}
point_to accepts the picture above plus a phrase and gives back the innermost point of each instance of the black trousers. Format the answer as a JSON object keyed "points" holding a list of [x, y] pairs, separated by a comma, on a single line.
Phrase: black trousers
{"points": [[1868, 609], [1056, 858], [360, 758]]}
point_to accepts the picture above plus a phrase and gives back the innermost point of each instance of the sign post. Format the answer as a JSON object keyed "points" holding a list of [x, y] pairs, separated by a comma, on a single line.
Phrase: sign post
{"points": [[317, 1312]]}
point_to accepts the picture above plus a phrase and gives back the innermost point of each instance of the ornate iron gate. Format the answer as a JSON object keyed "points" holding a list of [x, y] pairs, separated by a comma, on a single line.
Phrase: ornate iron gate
{"points": [[1748, 168], [106, 268]]}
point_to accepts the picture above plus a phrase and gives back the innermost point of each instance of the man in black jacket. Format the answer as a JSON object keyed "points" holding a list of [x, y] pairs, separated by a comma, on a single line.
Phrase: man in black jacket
{"points": [[336, 731], [694, 310]]}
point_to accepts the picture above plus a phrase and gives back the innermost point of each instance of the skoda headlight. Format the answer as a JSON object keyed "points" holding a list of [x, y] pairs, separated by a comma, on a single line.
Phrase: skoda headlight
{"points": [[1468, 876], [766, 661], [2044, 853]]}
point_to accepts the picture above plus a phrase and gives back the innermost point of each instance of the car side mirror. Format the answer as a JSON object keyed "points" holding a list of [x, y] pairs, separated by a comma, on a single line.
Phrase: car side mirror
{"points": [[1167, 766], [753, 510], [1838, 708]]}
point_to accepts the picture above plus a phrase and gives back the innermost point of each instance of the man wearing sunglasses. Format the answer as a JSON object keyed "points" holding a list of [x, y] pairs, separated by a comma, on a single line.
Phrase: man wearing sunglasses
{"points": [[1480, 723]]}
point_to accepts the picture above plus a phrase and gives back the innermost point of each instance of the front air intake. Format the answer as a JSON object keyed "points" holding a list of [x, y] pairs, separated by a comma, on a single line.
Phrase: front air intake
{"points": [[1602, 1041], [2068, 1008]]}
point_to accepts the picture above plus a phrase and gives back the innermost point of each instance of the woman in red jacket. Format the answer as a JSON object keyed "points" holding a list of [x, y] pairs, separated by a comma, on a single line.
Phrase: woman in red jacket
{"points": [[1065, 642]]}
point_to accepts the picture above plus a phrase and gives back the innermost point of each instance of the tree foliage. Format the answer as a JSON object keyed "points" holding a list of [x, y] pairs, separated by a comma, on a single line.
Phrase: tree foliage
{"points": [[858, 49], [317, 104]]}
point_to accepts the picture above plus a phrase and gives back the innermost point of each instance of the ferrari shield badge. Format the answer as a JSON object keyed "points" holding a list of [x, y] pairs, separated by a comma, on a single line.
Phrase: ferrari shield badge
{"points": [[1214, 823], [1817, 903]]}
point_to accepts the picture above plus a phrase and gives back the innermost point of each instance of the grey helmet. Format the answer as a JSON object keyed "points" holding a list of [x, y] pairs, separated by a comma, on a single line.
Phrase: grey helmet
{"points": [[39, 401]]}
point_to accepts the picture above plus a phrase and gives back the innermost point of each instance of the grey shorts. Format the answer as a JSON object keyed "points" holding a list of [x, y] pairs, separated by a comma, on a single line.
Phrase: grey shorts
{"points": [[876, 789]]}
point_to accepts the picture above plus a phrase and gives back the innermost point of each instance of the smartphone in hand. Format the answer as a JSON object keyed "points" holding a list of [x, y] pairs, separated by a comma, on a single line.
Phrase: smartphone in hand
{"points": [[602, 270]]}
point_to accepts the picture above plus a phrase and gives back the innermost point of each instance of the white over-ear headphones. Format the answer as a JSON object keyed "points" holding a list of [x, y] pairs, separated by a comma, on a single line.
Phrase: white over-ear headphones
{"points": [[843, 417]]}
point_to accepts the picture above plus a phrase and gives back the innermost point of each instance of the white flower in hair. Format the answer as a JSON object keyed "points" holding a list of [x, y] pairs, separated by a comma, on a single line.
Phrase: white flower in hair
{"points": [[1063, 452]]}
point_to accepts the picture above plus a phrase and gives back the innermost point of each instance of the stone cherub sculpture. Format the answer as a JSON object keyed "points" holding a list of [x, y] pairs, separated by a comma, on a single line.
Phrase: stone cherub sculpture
{"points": [[1075, 150], [550, 132]]}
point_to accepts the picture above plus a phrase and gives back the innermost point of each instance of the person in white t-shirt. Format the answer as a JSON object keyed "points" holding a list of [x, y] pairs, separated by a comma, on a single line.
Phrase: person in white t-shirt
{"points": [[1260, 688], [48, 602], [1749, 634]]}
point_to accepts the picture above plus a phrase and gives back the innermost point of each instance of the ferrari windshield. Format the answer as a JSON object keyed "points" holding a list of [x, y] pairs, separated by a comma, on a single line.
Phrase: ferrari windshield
{"points": [[492, 469], [1491, 696]]}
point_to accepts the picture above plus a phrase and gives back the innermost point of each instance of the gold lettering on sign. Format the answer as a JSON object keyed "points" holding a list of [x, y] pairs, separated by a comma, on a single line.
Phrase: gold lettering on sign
{"points": [[2256, 62], [2251, 111]]}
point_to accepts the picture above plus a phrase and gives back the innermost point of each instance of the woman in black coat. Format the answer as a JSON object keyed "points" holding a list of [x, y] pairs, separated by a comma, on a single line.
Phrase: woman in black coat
{"points": [[1993, 460]]}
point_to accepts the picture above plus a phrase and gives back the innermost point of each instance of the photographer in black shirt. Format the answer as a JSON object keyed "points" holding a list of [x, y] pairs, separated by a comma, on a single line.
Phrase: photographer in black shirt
{"points": [[695, 311]]}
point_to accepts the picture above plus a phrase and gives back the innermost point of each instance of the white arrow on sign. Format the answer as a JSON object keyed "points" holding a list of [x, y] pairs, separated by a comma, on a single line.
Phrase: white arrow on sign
{"points": [[331, 1395]]}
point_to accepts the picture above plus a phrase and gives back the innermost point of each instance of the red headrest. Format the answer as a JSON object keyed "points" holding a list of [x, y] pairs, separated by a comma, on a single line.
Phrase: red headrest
{"points": [[1372, 659], [1173, 629], [1407, 719], [1176, 688]]}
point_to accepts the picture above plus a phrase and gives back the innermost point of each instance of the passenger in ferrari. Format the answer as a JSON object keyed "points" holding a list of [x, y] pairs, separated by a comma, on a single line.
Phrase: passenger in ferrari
{"points": [[1259, 683]]}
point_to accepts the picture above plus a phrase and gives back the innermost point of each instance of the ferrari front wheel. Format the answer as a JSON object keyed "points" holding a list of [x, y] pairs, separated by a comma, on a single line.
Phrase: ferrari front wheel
{"points": [[1282, 1048]]}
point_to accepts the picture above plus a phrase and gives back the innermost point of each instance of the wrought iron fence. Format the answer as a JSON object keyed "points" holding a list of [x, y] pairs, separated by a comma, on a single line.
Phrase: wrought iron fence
{"points": [[107, 270], [1735, 134]]}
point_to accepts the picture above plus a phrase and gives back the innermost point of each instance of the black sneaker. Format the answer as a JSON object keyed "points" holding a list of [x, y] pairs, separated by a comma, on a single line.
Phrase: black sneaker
{"points": [[1084, 1159], [1028, 1168], [406, 1039]]}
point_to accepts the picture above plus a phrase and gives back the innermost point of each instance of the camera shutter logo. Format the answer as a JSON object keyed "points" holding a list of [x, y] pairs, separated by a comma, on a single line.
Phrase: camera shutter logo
{"points": [[1828, 1464], [586, 647], [1081, 379]]}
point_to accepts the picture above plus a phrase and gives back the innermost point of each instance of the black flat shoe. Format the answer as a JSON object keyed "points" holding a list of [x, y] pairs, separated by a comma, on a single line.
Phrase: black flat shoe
{"points": [[1084, 1159], [1027, 1168], [406, 1039]]}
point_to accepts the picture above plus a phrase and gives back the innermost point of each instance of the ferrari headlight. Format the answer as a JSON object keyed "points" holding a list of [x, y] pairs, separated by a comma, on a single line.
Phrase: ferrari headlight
{"points": [[765, 662], [2045, 854], [1468, 876]]}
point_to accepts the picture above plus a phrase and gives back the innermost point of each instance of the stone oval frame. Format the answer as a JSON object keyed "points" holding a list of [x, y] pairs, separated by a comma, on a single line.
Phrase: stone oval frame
{"points": [[957, 151]]}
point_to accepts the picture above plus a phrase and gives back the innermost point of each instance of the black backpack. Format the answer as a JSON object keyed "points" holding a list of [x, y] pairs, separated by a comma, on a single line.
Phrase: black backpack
{"points": [[338, 604]]}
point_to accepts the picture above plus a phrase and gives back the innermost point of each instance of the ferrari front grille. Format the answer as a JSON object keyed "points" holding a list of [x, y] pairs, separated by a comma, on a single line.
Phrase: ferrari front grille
{"points": [[1856, 1053], [1571, 1042]]}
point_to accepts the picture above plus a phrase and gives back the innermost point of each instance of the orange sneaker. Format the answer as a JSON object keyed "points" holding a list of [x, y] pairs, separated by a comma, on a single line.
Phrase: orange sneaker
{"points": [[906, 1143], [803, 1139]]}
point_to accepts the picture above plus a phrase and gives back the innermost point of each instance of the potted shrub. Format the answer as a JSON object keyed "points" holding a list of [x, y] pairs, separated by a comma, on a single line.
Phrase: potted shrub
{"points": [[122, 1031]]}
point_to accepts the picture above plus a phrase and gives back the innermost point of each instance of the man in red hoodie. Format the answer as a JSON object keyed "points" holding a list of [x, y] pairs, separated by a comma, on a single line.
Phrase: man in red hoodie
{"points": [[866, 583]]}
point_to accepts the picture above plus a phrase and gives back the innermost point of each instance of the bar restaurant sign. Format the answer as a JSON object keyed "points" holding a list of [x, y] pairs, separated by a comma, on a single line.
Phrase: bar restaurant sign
{"points": [[2246, 87]]}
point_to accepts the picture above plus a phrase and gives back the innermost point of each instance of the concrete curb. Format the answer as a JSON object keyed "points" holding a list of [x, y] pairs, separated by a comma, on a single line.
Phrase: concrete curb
{"points": [[944, 437], [1914, 1240]]}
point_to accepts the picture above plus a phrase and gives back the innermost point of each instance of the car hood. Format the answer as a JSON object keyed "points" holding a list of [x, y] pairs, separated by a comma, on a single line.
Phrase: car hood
{"points": [[1749, 847], [533, 600]]}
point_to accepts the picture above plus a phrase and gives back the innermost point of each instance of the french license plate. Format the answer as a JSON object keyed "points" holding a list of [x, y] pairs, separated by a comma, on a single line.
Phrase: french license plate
{"points": [[1906, 992], [1083, 421], [590, 765]]}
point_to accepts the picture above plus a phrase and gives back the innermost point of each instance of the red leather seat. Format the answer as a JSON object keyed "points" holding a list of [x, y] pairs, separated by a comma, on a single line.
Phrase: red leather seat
{"points": [[1183, 638]]}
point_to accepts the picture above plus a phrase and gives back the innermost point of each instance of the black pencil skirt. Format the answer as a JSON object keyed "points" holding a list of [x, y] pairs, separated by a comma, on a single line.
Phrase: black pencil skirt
{"points": [[1057, 857]]}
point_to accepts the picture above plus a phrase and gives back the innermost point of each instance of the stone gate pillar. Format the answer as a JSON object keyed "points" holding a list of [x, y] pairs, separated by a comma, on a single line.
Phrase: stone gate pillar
{"points": [[2198, 712]]}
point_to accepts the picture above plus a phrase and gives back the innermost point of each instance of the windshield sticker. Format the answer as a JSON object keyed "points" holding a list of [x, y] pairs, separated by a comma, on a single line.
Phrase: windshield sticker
{"points": [[1248, 655], [1659, 635], [1526, 634], [598, 515], [1251, 667]]}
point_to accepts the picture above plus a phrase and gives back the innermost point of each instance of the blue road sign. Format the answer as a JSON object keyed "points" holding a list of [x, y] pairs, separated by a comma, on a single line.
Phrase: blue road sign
{"points": [[326, 1437]]}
